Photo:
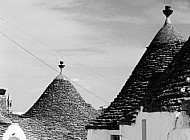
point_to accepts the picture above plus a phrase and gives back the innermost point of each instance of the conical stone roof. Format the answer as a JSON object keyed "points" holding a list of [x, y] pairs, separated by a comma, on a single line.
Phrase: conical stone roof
{"points": [[172, 88], [155, 60], [61, 107]]}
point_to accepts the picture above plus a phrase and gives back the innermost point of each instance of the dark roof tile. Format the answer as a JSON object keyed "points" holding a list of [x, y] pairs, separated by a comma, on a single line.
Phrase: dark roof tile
{"points": [[167, 95]]}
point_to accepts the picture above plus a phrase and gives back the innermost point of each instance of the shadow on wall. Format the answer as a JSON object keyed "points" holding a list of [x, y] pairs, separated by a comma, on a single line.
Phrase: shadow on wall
{"points": [[14, 132]]}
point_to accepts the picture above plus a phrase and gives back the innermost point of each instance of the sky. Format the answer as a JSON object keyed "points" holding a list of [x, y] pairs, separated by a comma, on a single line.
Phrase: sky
{"points": [[100, 42]]}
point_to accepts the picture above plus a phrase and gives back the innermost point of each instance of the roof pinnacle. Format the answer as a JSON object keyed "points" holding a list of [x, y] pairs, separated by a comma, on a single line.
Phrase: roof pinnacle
{"points": [[61, 66], [167, 12]]}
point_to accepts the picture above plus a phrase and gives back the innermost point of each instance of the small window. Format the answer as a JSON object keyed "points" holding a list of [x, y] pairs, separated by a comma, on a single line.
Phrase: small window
{"points": [[115, 137]]}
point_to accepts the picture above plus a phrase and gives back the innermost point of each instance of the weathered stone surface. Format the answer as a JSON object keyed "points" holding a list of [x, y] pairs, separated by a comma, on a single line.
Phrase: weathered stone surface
{"points": [[166, 93], [34, 129], [155, 60], [3, 104], [61, 110], [3, 128], [60, 113]]}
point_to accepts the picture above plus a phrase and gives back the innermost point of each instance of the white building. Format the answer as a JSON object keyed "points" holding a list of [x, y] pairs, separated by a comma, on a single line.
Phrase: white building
{"points": [[148, 126]]}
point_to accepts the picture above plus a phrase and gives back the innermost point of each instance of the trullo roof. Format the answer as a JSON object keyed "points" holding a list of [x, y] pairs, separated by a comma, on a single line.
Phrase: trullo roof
{"points": [[61, 107], [155, 60]]}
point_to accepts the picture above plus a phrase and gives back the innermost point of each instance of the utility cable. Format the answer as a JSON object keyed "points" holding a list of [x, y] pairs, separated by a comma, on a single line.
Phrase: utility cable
{"points": [[82, 66], [50, 66]]}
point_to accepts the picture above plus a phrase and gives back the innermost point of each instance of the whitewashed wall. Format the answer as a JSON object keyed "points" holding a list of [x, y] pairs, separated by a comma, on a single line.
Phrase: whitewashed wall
{"points": [[159, 126], [15, 129], [101, 134]]}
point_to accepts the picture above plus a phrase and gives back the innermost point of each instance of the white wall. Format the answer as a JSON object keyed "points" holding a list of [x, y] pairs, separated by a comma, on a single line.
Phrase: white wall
{"points": [[101, 134], [15, 129], [159, 126]]}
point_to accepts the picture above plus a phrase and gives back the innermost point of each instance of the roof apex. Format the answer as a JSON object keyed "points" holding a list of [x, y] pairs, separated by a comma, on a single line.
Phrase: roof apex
{"points": [[59, 77], [168, 33]]}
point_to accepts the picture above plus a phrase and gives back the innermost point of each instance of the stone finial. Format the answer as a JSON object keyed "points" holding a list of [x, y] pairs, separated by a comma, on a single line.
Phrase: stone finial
{"points": [[167, 12], [61, 66]]}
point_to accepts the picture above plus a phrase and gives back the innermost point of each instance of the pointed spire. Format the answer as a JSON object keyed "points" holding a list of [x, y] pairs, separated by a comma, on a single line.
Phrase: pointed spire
{"points": [[167, 12], [168, 33], [61, 66]]}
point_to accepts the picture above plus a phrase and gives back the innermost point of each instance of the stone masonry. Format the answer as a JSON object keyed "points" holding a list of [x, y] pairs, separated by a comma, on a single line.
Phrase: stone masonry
{"points": [[167, 93], [61, 109], [125, 107]]}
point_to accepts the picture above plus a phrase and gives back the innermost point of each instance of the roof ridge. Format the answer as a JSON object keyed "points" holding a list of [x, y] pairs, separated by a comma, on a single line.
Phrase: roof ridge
{"points": [[59, 77]]}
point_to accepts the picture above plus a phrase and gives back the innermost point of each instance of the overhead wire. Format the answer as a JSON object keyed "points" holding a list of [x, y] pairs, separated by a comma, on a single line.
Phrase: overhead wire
{"points": [[20, 46], [46, 45]]}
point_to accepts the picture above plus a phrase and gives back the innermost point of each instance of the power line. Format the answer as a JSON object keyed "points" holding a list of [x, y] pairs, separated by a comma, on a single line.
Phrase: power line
{"points": [[50, 66], [28, 51], [82, 66]]}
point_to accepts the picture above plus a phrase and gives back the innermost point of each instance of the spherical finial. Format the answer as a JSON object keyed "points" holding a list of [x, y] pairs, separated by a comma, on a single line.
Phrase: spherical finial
{"points": [[167, 12], [61, 66]]}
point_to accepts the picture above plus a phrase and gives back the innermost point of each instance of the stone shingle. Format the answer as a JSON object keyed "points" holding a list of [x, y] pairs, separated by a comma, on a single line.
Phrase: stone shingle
{"points": [[60, 113], [61, 109], [155, 60], [166, 93]]}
